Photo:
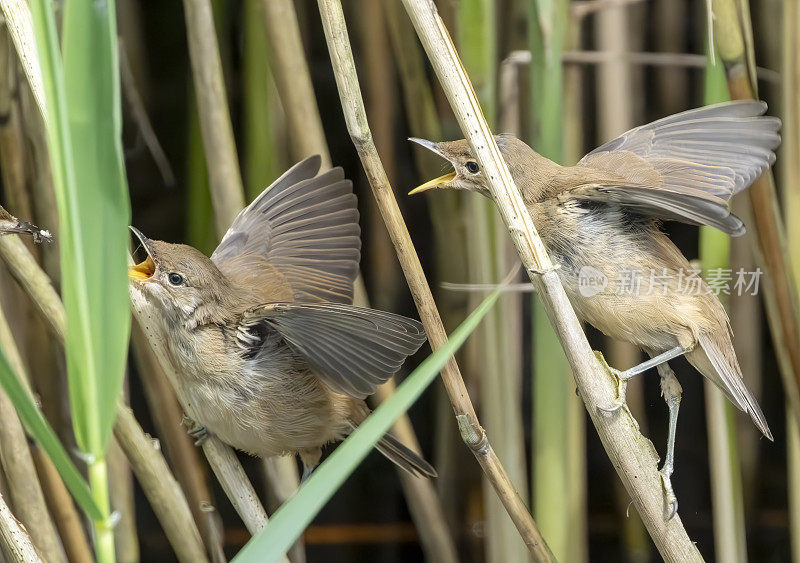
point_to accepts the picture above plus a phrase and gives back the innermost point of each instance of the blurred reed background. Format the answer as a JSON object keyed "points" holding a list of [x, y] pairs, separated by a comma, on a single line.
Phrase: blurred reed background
{"points": [[563, 75]]}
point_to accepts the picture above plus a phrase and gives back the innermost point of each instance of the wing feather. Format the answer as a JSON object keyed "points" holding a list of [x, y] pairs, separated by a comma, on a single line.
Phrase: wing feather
{"points": [[686, 167], [352, 349], [304, 229]]}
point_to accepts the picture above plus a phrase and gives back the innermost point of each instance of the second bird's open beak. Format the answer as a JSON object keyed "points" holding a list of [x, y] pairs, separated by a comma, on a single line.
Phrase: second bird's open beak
{"points": [[145, 269], [441, 181]]}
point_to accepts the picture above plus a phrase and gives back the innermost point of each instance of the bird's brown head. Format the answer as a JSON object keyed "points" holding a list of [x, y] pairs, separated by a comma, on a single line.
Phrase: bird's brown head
{"points": [[467, 173], [182, 282]]}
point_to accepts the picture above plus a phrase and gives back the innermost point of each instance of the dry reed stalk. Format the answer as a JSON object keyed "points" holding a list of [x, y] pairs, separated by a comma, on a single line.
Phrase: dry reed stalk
{"points": [[26, 494], [670, 34], [355, 116], [294, 86], [227, 195], [632, 455], [449, 238], [221, 457], [290, 69], [66, 517], [615, 109], [494, 347], [40, 290], [15, 543], [380, 88], [790, 178], [123, 502], [731, 32], [183, 456], [423, 503], [225, 179], [161, 488]]}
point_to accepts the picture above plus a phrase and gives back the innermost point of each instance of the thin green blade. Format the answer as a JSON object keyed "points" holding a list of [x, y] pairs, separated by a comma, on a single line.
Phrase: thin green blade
{"points": [[292, 518], [84, 134], [37, 426]]}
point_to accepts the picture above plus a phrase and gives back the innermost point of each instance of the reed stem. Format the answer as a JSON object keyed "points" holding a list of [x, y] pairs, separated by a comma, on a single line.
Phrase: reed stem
{"points": [[355, 116], [632, 455]]}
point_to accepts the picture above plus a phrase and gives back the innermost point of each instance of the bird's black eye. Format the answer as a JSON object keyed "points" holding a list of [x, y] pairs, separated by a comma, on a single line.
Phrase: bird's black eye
{"points": [[472, 167], [175, 278]]}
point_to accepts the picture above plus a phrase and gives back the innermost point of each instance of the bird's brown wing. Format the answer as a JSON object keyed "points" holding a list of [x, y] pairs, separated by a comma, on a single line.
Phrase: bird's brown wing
{"points": [[302, 231], [686, 167], [352, 349]]}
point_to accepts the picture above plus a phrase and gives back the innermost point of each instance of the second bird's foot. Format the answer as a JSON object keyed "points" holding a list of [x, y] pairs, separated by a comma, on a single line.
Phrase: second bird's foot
{"points": [[622, 385], [669, 493]]}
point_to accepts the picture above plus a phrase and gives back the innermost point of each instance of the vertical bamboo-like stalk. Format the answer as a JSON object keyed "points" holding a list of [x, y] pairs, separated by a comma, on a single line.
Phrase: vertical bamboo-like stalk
{"points": [[263, 154], [574, 111], [733, 37], [380, 89], [227, 193], [493, 347], [793, 471], [633, 457], [790, 177], [262, 165], [290, 69], [355, 116], [448, 240], [553, 392], [615, 112], [726, 480], [120, 484], [293, 82], [63, 510]]}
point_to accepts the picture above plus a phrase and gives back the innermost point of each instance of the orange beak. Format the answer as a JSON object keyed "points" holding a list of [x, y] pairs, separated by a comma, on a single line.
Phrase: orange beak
{"points": [[145, 269]]}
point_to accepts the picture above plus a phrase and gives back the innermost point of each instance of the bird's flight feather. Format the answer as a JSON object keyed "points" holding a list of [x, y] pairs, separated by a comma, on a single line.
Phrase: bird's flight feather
{"points": [[302, 231], [686, 167], [352, 349]]}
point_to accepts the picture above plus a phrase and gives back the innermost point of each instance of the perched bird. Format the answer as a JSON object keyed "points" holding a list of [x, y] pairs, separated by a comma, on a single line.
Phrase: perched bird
{"points": [[11, 225], [600, 222], [267, 344]]}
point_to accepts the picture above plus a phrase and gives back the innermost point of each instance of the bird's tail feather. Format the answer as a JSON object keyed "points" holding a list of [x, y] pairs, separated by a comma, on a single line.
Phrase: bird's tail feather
{"points": [[717, 361], [400, 455]]}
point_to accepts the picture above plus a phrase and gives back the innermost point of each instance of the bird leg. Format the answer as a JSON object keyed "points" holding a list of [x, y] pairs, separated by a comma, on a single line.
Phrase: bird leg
{"points": [[671, 391], [310, 459], [196, 431], [624, 376]]}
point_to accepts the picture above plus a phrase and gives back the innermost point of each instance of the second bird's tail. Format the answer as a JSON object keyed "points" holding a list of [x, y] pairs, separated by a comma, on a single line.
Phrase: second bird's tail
{"points": [[401, 456], [714, 358]]}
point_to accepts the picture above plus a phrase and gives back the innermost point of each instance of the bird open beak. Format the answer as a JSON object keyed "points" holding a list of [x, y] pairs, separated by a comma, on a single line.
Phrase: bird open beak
{"points": [[441, 181], [145, 269]]}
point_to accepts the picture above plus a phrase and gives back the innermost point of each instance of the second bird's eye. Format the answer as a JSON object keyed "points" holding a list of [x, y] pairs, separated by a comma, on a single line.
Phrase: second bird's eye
{"points": [[175, 278], [472, 167]]}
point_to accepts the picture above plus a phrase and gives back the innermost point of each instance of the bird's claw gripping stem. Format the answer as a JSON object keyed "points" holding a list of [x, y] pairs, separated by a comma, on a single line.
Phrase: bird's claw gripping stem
{"points": [[669, 493], [622, 386], [196, 431]]}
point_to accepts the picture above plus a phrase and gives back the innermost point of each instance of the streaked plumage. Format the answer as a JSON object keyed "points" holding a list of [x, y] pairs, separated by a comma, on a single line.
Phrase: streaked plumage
{"points": [[269, 347]]}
